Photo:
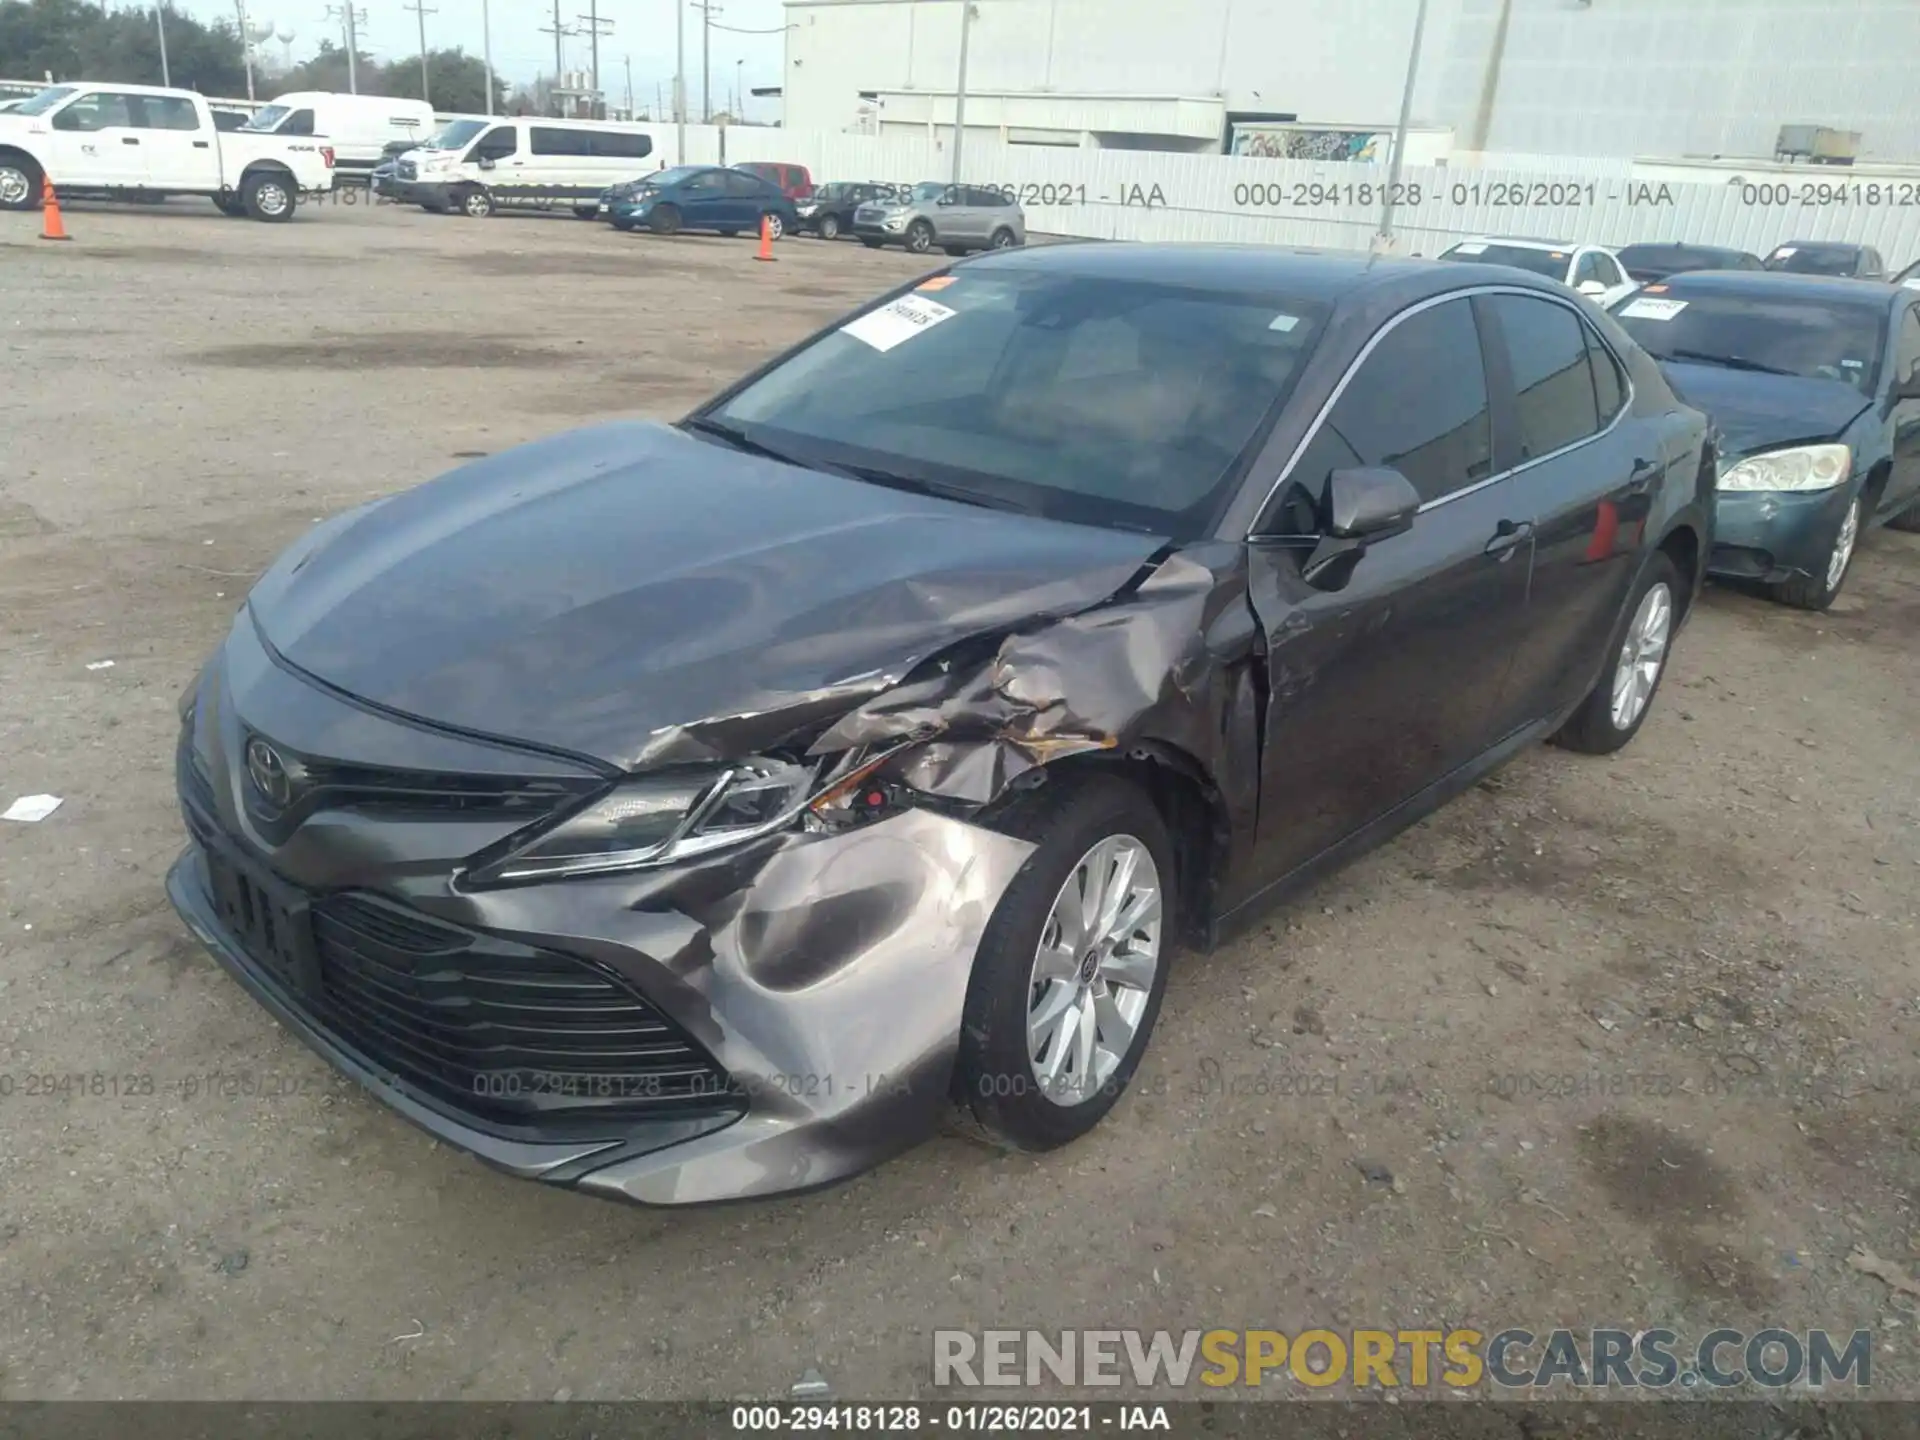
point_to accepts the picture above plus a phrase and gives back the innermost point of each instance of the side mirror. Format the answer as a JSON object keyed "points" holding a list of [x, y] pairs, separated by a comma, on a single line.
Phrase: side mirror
{"points": [[1591, 287], [485, 162], [1362, 506], [1909, 388]]}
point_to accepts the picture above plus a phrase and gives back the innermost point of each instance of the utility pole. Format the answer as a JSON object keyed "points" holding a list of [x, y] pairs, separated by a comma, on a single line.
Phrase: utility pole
{"points": [[1385, 238], [246, 45], [680, 81], [960, 86], [160, 19], [707, 10], [557, 30], [739, 93], [596, 27], [422, 10], [347, 17], [629, 64], [486, 51]]}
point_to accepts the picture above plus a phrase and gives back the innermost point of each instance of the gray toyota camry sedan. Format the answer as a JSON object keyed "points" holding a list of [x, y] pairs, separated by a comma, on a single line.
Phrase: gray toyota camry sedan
{"points": [[698, 811]]}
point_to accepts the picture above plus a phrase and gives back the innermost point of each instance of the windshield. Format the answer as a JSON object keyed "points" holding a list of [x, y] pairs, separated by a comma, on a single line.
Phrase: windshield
{"points": [[929, 190], [44, 101], [661, 179], [1550, 263], [267, 117], [1816, 339], [1109, 402], [455, 135], [1657, 262], [1797, 260]]}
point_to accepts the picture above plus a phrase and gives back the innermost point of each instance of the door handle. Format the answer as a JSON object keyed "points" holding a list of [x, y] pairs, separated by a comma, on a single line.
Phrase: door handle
{"points": [[199, 144], [1508, 536], [129, 140], [1643, 475]]}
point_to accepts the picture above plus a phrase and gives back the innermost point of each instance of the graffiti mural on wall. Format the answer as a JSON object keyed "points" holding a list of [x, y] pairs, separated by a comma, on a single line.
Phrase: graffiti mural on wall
{"points": [[1298, 142]]}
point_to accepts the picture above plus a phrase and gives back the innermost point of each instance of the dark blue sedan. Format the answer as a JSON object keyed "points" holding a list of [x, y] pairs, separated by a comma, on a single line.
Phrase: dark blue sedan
{"points": [[1814, 384], [699, 197]]}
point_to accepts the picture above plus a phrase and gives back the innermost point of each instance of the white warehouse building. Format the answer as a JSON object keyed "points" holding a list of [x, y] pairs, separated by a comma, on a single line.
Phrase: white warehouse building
{"points": [[1566, 77]]}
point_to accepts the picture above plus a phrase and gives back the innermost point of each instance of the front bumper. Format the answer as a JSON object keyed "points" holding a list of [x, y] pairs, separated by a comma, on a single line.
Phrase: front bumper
{"points": [[1776, 535], [392, 187], [823, 974]]}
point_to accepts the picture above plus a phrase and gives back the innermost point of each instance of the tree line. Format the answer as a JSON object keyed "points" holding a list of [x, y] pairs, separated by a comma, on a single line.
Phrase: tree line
{"points": [[72, 40]]}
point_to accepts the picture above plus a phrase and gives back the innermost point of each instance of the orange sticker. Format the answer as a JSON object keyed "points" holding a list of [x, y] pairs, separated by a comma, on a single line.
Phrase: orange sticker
{"points": [[1655, 289], [937, 282]]}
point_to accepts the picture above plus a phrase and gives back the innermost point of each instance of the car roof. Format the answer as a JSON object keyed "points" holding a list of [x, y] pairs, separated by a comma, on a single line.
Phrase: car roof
{"points": [[1299, 272], [1825, 247], [1839, 289], [1524, 242], [1692, 247]]}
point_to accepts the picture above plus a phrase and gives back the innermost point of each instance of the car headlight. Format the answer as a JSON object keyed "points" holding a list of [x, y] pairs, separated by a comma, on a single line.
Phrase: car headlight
{"points": [[429, 167], [895, 222], [661, 818], [807, 209], [1800, 467]]}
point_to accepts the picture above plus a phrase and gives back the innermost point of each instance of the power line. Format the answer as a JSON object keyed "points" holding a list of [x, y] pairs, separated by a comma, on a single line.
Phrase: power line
{"points": [[422, 10], [596, 27]]}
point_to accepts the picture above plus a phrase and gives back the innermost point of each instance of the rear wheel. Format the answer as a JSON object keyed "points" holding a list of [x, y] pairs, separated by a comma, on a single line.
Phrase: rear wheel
{"points": [[1817, 591], [1612, 714], [1002, 239], [475, 202], [19, 184], [1907, 520], [1069, 975], [267, 195], [665, 220], [829, 227]]}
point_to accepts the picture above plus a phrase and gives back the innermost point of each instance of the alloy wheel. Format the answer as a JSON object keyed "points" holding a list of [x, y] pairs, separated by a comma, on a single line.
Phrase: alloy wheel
{"points": [[1094, 969], [271, 197], [15, 188], [1642, 654], [1843, 544]]}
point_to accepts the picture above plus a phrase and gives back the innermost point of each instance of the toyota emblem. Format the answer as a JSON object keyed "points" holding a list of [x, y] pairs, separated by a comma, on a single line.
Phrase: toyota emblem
{"points": [[269, 773]]}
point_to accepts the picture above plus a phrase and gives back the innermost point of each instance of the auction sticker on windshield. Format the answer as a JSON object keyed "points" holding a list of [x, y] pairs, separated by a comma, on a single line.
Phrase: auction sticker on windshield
{"points": [[902, 320], [1644, 309]]}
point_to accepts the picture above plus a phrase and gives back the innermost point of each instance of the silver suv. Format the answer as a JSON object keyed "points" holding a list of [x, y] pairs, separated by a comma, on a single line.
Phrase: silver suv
{"points": [[956, 218]]}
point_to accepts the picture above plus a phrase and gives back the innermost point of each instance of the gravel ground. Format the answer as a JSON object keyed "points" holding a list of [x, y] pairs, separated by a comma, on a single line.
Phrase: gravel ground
{"points": [[1606, 1042]]}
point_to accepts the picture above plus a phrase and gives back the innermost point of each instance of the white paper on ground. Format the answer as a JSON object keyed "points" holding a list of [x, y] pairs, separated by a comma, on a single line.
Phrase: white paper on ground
{"points": [[100, 665], [905, 318], [31, 807], [1647, 308]]}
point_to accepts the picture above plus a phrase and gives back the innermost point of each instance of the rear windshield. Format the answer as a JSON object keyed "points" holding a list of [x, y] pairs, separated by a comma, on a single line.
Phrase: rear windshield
{"points": [[1550, 263], [1799, 260], [1656, 262], [1105, 401], [1815, 339]]}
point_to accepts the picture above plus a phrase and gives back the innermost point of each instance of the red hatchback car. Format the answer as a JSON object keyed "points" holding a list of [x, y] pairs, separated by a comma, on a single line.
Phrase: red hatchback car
{"points": [[795, 181]]}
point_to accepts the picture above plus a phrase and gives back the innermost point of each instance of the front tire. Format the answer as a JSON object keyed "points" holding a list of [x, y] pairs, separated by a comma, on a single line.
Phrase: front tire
{"points": [[829, 227], [1908, 520], [267, 195], [920, 237], [665, 220], [1619, 703], [475, 202], [776, 227], [1818, 591], [1069, 976]]}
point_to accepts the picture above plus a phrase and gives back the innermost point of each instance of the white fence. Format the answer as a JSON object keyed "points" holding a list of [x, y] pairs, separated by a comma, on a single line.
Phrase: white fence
{"points": [[1150, 195]]}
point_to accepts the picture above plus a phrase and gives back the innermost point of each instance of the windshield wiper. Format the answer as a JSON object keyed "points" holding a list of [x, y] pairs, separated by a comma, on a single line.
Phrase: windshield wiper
{"points": [[1730, 362], [738, 438], [920, 485]]}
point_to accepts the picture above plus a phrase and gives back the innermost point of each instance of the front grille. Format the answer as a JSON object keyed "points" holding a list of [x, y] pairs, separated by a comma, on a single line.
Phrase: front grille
{"points": [[505, 1032]]}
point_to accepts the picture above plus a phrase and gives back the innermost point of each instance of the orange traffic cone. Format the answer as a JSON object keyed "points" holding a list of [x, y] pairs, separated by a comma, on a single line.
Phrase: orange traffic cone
{"points": [[50, 226], [766, 238]]}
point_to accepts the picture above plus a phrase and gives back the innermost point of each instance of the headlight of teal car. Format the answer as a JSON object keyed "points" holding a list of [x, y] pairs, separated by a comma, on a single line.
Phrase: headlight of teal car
{"points": [[1800, 467], [658, 819]]}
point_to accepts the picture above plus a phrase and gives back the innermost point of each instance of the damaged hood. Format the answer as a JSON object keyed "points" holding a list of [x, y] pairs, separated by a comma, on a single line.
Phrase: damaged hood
{"points": [[1756, 412], [630, 593]]}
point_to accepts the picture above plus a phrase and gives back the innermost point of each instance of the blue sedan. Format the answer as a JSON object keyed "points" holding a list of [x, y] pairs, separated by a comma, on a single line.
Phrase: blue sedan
{"points": [[1814, 385], [699, 197]]}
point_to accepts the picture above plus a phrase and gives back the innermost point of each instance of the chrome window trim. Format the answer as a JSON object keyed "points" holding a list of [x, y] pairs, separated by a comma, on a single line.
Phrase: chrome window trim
{"points": [[1431, 302]]}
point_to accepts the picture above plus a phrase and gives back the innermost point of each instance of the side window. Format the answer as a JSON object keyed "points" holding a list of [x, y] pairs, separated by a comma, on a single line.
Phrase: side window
{"points": [[1874, 264], [1607, 270], [1552, 382], [552, 140], [496, 144], [618, 145], [707, 182], [1587, 269], [747, 186], [1609, 388], [172, 112], [298, 123], [1418, 403], [1908, 359], [94, 112]]}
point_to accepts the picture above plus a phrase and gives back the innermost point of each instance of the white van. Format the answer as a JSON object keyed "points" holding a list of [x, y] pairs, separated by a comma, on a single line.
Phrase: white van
{"points": [[358, 127], [477, 166]]}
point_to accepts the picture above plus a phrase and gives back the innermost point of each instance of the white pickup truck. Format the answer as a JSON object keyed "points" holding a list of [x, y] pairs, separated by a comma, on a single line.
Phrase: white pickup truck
{"points": [[126, 141]]}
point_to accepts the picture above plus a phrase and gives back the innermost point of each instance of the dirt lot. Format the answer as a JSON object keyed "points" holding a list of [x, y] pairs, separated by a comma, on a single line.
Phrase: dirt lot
{"points": [[1627, 1042]]}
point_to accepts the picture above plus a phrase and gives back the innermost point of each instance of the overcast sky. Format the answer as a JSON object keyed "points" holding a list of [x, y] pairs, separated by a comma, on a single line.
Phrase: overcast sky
{"points": [[642, 29]]}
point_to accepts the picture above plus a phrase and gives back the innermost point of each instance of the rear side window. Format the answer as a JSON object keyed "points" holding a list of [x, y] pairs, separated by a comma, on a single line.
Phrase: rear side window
{"points": [[617, 145], [751, 186], [553, 140], [707, 182], [298, 123], [1418, 403], [1908, 359], [1552, 380], [1609, 388]]}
